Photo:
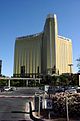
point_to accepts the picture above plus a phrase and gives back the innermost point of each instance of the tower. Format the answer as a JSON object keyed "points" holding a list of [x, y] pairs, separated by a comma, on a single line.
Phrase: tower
{"points": [[43, 53], [49, 43]]}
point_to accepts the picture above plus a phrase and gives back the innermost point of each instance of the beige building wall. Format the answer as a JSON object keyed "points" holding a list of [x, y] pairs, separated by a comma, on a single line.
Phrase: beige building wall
{"points": [[64, 54], [49, 43], [28, 54]]}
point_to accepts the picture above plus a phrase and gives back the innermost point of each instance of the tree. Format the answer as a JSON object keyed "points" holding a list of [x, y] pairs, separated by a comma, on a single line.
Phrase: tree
{"points": [[47, 79], [3, 82], [54, 81], [75, 80], [78, 64], [64, 81]]}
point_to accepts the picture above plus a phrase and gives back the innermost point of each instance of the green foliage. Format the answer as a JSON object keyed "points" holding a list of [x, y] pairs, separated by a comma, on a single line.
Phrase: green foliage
{"points": [[3, 82], [61, 80], [59, 103], [54, 81], [75, 80], [78, 63], [15, 83]]}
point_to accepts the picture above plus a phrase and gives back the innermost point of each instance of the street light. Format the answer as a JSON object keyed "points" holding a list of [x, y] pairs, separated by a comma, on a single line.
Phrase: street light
{"points": [[70, 65]]}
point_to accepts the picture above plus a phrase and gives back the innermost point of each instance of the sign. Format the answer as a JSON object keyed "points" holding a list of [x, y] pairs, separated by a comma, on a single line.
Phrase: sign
{"points": [[47, 104], [46, 88]]}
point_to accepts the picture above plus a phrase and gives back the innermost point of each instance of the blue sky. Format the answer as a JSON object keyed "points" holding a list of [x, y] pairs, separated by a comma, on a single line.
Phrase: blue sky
{"points": [[24, 17]]}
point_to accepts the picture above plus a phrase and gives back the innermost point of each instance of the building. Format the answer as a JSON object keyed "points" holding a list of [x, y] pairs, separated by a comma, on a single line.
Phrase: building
{"points": [[43, 53]]}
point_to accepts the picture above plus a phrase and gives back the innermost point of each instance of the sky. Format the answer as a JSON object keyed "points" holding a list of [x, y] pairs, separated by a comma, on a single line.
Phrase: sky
{"points": [[25, 17]]}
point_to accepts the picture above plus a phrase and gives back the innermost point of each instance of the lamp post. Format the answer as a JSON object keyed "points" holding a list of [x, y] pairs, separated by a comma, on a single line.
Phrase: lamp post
{"points": [[70, 65]]}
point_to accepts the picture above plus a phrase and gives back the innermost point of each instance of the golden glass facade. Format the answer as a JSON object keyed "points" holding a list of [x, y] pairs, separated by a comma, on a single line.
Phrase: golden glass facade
{"points": [[41, 52]]}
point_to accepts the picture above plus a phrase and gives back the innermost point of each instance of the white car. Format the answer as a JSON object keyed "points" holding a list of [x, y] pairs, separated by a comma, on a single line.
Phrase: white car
{"points": [[78, 89], [7, 88], [71, 91], [13, 88]]}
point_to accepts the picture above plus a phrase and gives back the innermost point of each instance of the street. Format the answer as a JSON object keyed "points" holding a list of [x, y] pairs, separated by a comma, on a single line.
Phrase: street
{"points": [[15, 101]]}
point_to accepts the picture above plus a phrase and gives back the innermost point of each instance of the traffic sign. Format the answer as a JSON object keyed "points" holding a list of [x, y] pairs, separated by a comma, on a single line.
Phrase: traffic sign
{"points": [[47, 104]]}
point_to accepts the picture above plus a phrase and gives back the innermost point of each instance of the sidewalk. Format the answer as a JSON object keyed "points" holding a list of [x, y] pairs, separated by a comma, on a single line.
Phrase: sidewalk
{"points": [[60, 119]]}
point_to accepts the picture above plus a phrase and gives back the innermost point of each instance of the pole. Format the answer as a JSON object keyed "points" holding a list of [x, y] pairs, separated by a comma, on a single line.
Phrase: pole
{"points": [[39, 107], [67, 108], [9, 83], [49, 115], [39, 81], [27, 83], [70, 65]]}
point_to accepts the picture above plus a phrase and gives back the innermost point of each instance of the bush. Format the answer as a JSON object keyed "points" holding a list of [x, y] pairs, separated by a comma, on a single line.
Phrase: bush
{"points": [[59, 105]]}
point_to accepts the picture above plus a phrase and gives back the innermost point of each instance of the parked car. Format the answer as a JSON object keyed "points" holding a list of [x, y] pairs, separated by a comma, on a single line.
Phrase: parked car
{"points": [[51, 90], [78, 89], [71, 91], [7, 88], [13, 88]]}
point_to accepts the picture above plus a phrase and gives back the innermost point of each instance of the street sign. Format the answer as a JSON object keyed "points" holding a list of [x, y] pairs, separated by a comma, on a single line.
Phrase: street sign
{"points": [[47, 104]]}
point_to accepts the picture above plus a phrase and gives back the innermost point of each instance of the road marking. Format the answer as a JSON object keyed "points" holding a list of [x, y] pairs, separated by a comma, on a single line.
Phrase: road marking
{"points": [[5, 96]]}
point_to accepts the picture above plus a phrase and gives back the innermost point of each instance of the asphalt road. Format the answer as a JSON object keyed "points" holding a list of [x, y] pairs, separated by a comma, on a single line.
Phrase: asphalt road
{"points": [[15, 101]]}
